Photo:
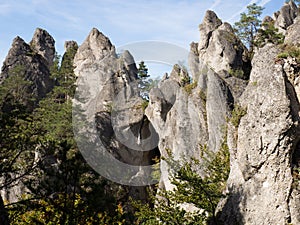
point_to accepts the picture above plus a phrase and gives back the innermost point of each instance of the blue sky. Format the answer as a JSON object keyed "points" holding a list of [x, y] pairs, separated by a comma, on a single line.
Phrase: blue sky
{"points": [[172, 21]]}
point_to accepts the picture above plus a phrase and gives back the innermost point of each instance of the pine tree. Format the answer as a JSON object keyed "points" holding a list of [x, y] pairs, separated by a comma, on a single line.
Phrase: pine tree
{"points": [[143, 70], [268, 34], [248, 25], [203, 193]]}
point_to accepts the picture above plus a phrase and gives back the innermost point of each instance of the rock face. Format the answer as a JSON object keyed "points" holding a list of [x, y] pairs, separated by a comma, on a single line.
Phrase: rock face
{"points": [[293, 35], [263, 183], [285, 17], [220, 48], [70, 45], [43, 44], [260, 181], [107, 93], [23, 60], [188, 117]]}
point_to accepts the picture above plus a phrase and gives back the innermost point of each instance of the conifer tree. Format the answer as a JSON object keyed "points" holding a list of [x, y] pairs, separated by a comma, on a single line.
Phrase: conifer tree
{"points": [[248, 25]]}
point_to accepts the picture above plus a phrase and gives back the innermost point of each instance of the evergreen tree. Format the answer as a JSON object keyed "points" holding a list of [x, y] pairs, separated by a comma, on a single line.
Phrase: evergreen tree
{"points": [[248, 25], [40, 148], [143, 70], [203, 192], [268, 34], [144, 83]]}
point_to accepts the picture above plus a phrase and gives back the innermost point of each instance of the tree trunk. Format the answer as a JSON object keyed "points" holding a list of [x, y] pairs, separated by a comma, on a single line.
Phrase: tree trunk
{"points": [[3, 213]]}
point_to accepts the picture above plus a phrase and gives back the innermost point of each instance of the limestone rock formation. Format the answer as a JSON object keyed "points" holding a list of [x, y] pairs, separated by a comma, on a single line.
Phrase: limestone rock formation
{"points": [[293, 35], [264, 148], [108, 96], [285, 17], [70, 44], [43, 44], [220, 48], [23, 60], [260, 181], [190, 116]]}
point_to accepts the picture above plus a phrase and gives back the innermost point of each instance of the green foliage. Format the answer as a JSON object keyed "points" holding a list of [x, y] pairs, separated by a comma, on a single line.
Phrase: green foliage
{"points": [[189, 87], [237, 114], [289, 50], [145, 105], [51, 211], [203, 192], [39, 147], [239, 73], [143, 70], [145, 84], [268, 34], [202, 96], [248, 25]]}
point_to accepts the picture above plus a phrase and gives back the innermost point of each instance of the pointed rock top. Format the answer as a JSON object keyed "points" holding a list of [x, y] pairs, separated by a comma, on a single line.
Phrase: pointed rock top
{"points": [[95, 47], [98, 40], [43, 43], [210, 23], [285, 17], [211, 19], [18, 41], [19, 47], [70, 44]]}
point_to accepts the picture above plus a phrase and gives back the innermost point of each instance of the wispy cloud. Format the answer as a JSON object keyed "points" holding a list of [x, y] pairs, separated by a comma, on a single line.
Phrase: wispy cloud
{"points": [[174, 21]]}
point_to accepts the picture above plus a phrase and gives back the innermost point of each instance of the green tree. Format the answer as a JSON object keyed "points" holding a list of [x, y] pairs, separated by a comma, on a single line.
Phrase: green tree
{"points": [[40, 148], [268, 34], [142, 70], [203, 192], [145, 83], [248, 25]]}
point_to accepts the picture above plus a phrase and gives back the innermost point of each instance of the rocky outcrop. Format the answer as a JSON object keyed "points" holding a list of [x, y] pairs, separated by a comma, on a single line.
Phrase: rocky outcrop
{"points": [[24, 61], [221, 49], [70, 45], [108, 96], [43, 44], [191, 116], [261, 186], [293, 35], [285, 17], [180, 120]]}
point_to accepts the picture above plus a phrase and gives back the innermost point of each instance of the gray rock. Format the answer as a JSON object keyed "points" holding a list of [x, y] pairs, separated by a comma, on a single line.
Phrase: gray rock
{"points": [[93, 49], [108, 96], [260, 181], [292, 35], [43, 44], [219, 47], [70, 45], [285, 17], [210, 23], [22, 59]]}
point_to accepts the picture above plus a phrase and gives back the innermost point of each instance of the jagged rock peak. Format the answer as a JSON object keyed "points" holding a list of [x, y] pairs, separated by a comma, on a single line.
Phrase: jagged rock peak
{"points": [[221, 49], [99, 40], [19, 46], [95, 47], [285, 17], [44, 44], [180, 75], [70, 45], [210, 23]]}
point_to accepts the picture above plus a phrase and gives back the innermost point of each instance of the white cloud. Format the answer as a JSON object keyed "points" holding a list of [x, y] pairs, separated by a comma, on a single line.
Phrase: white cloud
{"points": [[175, 21]]}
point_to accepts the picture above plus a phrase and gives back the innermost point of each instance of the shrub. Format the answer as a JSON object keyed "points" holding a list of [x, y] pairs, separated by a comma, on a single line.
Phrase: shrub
{"points": [[290, 50], [203, 192], [239, 73], [189, 87], [237, 113]]}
